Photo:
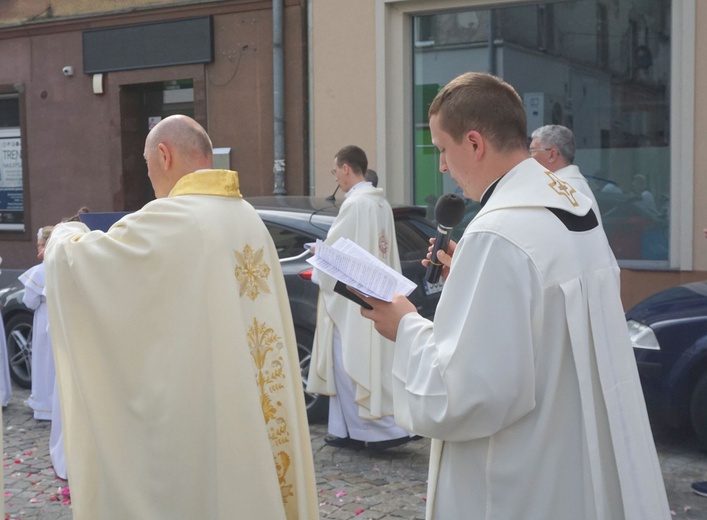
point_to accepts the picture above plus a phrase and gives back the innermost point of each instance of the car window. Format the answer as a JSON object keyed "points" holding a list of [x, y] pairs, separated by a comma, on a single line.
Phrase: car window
{"points": [[288, 243], [413, 236]]}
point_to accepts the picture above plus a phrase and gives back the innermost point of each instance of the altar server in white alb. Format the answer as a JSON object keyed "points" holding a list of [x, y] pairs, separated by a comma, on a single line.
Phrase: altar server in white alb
{"points": [[350, 361], [35, 297], [526, 379], [5, 380], [176, 355]]}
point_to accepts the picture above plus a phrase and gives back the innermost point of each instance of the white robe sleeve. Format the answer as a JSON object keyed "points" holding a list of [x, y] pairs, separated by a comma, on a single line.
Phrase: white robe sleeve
{"points": [[33, 280], [470, 373]]}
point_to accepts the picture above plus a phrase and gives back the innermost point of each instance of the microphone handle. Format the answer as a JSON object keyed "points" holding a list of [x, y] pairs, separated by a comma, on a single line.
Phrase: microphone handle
{"points": [[434, 269], [332, 197]]}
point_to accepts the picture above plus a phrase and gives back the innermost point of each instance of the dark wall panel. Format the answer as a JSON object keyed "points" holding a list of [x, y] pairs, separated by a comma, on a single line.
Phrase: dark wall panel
{"points": [[178, 42]]}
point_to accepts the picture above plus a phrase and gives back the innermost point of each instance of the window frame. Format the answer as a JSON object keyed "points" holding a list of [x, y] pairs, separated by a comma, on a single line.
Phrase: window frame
{"points": [[18, 90], [394, 58]]}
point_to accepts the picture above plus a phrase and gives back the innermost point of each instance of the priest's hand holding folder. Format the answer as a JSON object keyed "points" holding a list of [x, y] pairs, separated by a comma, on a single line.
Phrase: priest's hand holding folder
{"points": [[352, 265], [363, 278], [386, 316]]}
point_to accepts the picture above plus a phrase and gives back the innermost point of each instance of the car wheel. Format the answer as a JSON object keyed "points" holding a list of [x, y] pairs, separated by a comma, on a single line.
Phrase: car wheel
{"points": [[19, 348], [317, 405], [698, 410]]}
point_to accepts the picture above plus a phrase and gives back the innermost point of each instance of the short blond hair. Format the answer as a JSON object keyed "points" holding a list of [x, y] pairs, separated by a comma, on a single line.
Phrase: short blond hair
{"points": [[485, 103]]}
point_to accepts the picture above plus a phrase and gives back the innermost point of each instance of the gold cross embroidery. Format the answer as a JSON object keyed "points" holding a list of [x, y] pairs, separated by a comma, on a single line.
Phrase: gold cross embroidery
{"points": [[252, 272], [562, 188]]}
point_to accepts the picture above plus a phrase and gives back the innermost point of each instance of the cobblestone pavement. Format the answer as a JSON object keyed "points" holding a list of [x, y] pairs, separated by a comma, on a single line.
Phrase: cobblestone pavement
{"points": [[360, 485]]}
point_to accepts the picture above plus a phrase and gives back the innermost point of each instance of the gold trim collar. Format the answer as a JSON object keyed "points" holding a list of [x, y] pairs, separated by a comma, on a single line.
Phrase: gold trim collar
{"points": [[208, 182]]}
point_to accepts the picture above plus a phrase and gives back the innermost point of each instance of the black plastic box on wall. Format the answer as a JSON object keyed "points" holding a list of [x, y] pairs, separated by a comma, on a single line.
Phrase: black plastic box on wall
{"points": [[142, 46]]}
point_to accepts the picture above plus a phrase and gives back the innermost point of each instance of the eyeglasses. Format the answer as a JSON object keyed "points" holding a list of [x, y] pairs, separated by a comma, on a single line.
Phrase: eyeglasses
{"points": [[536, 150]]}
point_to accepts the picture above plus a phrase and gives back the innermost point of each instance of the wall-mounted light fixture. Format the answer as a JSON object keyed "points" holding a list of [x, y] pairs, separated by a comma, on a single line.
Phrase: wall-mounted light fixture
{"points": [[98, 83]]}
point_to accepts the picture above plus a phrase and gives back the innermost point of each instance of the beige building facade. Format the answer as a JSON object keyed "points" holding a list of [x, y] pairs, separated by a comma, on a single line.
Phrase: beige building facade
{"points": [[623, 74], [83, 81]]}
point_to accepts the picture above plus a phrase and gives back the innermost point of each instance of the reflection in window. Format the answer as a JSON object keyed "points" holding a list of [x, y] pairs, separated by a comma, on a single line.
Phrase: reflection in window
{"points": [[601, 69]]}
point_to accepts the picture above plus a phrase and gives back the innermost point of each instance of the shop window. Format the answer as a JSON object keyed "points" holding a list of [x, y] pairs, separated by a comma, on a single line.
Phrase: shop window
{"points": [[12, 215], [603, 70]]}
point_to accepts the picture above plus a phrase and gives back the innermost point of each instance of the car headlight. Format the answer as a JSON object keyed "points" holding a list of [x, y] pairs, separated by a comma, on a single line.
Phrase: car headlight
{"points": [[642, 336]]}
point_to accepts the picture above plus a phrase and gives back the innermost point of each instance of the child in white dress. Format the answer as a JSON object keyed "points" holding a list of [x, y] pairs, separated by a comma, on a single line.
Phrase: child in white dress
{"points": [[5, 381], [35, 298]]}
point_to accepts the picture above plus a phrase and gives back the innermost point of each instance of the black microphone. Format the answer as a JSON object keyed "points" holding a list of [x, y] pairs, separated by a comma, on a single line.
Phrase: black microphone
{"points": [[449, 212], [332, 197]]}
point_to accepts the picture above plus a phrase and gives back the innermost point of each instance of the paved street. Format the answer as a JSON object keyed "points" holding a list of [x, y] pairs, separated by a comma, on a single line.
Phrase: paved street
{"points": [[359, 485]]}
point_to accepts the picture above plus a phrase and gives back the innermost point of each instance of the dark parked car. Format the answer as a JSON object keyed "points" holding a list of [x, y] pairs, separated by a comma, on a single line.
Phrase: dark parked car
{"points": [[669, 335], [292, 222], [17, 320]]}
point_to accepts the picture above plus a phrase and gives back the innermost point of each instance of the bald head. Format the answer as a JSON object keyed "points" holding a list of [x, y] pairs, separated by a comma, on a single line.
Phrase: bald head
{"points": [[175, 147]]}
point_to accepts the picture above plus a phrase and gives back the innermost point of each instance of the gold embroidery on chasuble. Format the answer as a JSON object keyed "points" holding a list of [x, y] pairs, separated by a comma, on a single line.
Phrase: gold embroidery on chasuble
{"points": [[223, 183], [562, 188], [252, 272], [383, 245], [265, 347]]}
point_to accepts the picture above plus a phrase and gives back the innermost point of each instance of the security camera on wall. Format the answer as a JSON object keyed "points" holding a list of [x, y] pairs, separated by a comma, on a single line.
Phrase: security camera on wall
{"points": [[68, 70]]}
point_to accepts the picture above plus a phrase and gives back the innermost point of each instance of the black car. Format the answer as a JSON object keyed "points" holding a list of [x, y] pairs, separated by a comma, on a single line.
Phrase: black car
{"points": [[292, 221], [17, 320], [669, 335]]}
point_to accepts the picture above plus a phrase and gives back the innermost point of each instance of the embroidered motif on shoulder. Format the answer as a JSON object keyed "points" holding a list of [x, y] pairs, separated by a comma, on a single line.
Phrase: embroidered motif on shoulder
{"points": [[383, 245], [252, 272], [266, 350], [562, 188]]}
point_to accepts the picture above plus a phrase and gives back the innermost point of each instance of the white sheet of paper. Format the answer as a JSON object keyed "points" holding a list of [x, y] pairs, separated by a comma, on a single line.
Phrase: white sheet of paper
{"points": [[351, 264]]}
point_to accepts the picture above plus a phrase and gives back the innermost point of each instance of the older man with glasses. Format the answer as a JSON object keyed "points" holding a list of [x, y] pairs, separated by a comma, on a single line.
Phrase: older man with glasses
{"points": [[553, 147]]}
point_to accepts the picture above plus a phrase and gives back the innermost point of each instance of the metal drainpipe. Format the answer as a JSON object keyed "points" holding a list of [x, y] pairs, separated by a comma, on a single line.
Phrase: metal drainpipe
{"points": [[492, 48], [278, 98]]}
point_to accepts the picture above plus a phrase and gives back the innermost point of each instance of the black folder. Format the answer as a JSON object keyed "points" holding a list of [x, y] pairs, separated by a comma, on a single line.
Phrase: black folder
{"points": [[101, 221], [341, 289]]}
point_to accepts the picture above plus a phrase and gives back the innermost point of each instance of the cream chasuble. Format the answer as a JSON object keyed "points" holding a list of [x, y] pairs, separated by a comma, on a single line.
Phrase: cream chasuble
{"points": [[177, 363], [366, 218], [526, 380]]}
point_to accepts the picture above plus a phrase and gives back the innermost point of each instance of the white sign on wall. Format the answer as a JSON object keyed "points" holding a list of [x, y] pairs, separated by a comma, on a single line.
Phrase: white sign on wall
{"points": [[11, 194]]}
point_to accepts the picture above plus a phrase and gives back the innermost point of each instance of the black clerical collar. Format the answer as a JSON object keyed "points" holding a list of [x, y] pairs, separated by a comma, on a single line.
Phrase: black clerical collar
{"points": [[487, 194]]}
